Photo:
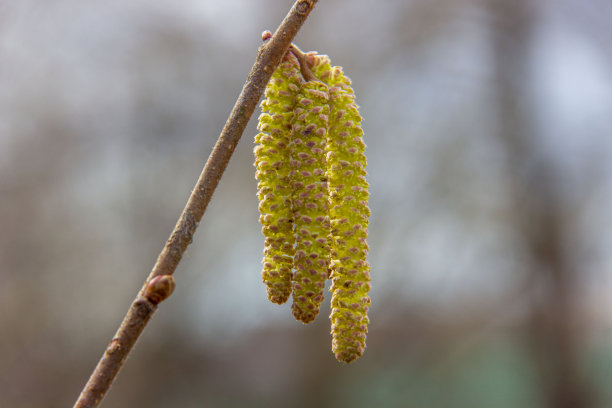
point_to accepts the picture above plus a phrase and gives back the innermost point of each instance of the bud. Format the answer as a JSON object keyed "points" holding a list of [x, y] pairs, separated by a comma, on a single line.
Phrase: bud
{"points": [[159, 288]]}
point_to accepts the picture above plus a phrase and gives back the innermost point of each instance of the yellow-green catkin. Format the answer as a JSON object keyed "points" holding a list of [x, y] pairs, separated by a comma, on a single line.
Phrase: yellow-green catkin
{"points": [[349, 214], [311, 212], [272, 162]]}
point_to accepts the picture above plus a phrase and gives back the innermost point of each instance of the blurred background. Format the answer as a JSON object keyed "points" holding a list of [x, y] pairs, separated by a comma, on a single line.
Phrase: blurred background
{"points": [[489, 132]]}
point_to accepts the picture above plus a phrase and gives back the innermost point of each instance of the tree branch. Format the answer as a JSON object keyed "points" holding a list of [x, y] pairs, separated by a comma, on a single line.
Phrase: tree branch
{"points": [[159, 284]]}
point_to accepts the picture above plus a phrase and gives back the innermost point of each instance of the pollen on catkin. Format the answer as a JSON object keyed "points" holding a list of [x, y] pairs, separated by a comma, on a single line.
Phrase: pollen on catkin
{"points": [[272, 162], [349, 214], [311, 212]]}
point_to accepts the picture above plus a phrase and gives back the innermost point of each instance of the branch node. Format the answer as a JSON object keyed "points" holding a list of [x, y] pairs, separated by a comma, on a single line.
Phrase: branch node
{"points": [[114, 346], [304, 6]]}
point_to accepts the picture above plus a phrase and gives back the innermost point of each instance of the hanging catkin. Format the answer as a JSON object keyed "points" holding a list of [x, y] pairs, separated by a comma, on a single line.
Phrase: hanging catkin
{"points": [[273, 175], [311, 212], [349, 214]]}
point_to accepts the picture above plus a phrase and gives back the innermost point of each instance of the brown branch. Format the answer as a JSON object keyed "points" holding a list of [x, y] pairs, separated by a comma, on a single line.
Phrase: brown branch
{"points": [[157, 289]]}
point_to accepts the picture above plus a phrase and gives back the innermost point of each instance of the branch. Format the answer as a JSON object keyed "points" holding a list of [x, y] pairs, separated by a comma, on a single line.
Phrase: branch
{"points": [[159, 284]]}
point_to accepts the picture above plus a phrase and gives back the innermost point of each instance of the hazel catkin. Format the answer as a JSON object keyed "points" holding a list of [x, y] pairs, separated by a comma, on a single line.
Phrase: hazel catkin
{"points": [[349, 214], [273, 175], [311, 212], [313, 193]]}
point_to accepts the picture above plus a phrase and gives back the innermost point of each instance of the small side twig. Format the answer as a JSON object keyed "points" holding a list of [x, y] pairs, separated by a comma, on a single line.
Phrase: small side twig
{"points": [[301, 57], [159, 284]]}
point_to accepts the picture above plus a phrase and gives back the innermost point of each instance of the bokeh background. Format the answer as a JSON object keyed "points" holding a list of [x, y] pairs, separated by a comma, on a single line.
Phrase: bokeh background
{"points": [[489, 132]]}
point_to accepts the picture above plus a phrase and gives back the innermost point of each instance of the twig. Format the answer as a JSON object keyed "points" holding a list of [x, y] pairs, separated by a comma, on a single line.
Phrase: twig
{"points": [[301, 57], [159, 284]]}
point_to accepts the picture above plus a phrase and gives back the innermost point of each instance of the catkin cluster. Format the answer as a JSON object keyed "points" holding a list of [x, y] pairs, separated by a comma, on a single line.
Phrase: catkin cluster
{"points": [[313, 197]]}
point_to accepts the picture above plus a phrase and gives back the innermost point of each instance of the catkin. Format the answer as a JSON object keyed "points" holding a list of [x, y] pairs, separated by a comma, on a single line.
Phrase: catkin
{"points": [[272, 162], [349, 214], [311, 168], [311, 212]]}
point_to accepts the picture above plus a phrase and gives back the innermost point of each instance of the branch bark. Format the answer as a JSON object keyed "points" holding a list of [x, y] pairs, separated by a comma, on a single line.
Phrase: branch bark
{"points": [[146, 302]]}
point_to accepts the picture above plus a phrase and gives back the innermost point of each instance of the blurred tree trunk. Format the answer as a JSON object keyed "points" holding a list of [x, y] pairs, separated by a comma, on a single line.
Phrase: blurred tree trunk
{"points": [[538, 211]]}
